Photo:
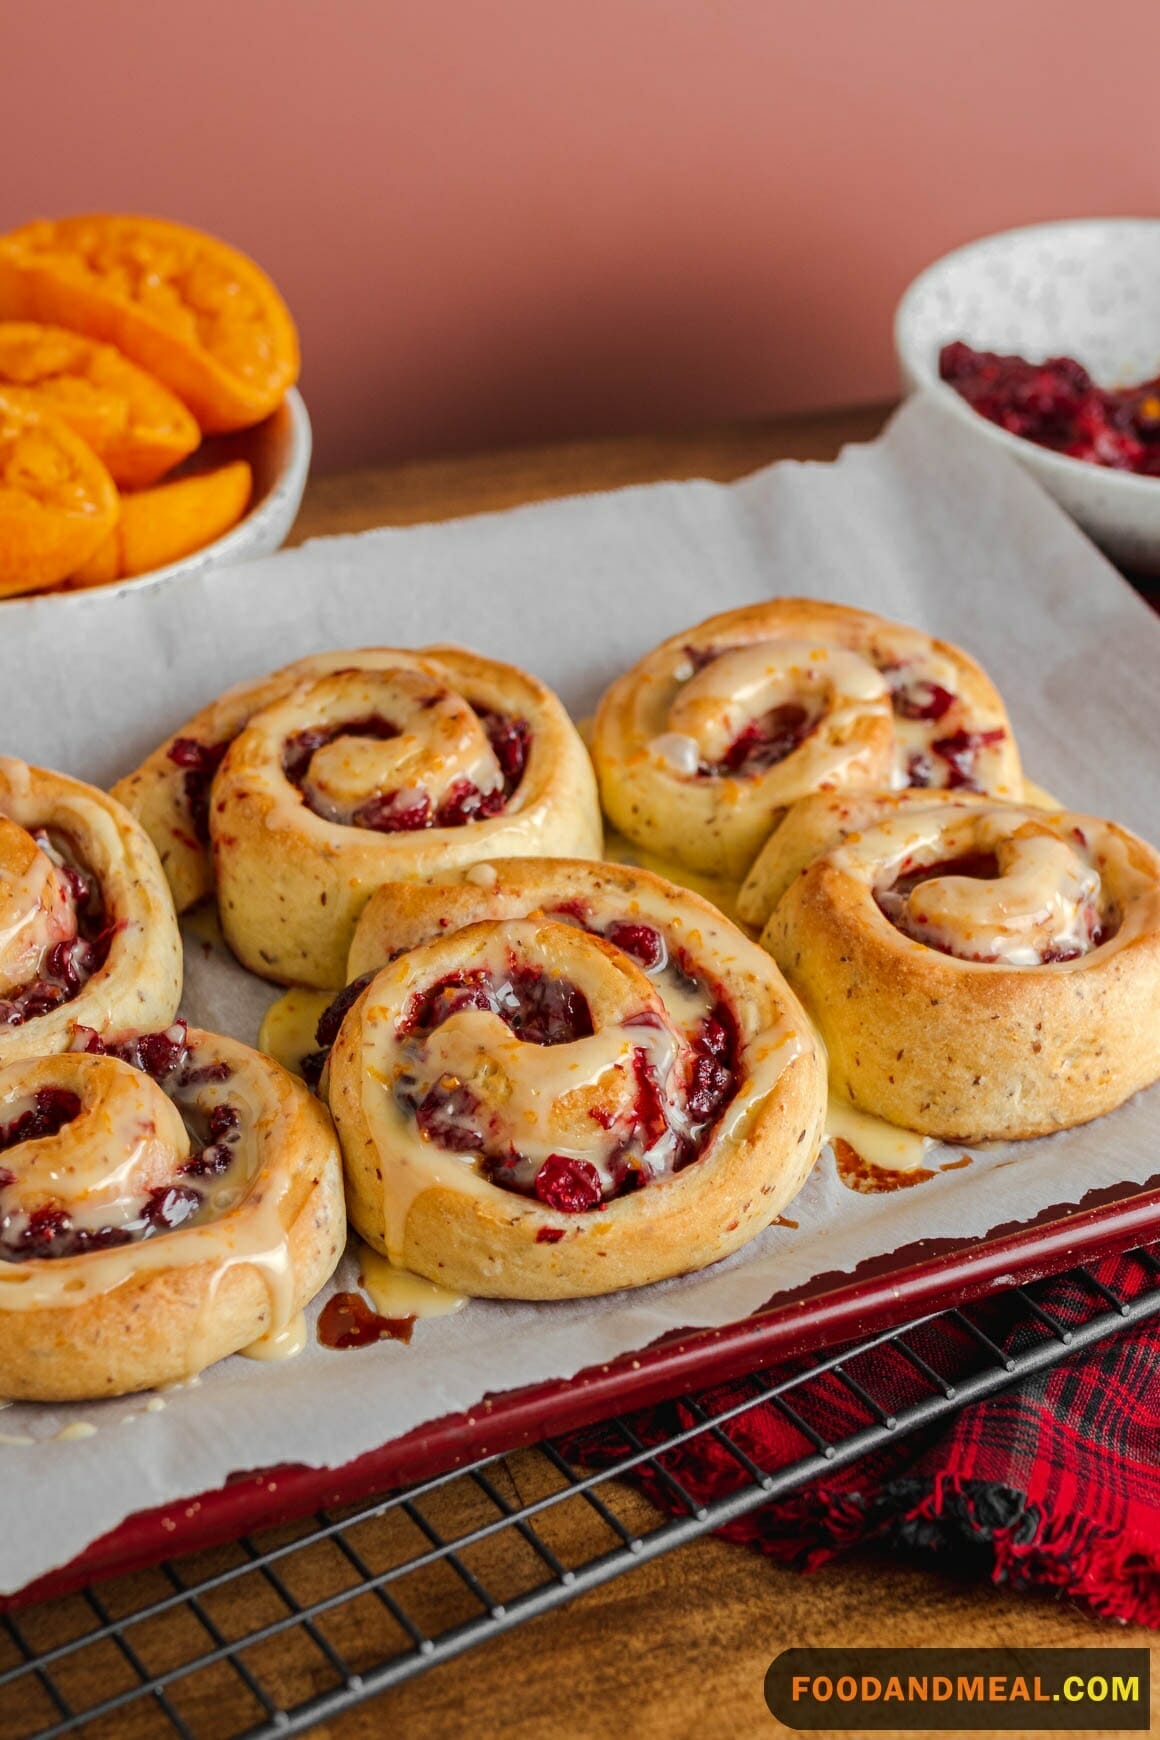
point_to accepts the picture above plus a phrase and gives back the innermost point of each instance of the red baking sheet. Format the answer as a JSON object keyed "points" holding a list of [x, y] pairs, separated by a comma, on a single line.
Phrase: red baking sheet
{"points": [[886, 1291]]}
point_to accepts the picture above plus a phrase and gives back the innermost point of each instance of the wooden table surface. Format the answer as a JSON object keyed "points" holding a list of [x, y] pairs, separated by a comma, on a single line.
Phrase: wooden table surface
{"points": [[678, 1648]]}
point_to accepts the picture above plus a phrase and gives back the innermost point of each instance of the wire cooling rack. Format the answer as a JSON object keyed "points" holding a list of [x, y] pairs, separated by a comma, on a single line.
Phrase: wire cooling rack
{"points": [[273, 1634]]}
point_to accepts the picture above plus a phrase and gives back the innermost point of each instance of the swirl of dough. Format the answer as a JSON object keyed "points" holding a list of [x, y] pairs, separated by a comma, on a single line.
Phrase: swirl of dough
{"points": [[979, 970], [704, 744], [88, 935], [350, 770], [163, 1203], [569, 1078]]}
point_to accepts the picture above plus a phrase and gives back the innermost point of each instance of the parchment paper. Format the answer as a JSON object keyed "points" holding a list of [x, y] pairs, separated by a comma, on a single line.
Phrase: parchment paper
{"points": [[924, 525]]}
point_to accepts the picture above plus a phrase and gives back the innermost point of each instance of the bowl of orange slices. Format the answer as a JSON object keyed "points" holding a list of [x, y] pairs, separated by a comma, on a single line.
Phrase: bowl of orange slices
{"points": [[149, 420]]}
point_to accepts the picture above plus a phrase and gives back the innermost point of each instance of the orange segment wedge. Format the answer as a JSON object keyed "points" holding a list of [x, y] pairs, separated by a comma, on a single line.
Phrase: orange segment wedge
{"points": [[58, 503], [197, 314], [137, 427], [159, 526]]}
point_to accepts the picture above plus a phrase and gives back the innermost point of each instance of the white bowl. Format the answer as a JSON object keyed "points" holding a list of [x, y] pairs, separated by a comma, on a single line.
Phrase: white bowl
{"points": [[278, 451], [1088, 288]]}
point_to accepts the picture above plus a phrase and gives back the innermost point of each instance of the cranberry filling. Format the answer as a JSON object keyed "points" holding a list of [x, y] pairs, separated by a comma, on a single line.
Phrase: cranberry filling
{"points": [[920, 698], [391, 812], [958, 752], [300, 748], [451, 1116], [50, 1231], [764, 742], [200, 762], [572, 1186], [70, 964], [1056, 404], [539, 1008], [640, 942], [51, 1110]]}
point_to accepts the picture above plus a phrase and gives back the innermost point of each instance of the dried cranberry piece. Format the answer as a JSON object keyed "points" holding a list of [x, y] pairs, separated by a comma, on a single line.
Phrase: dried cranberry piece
{"points": [[161, 1053], [441, 1117], [102, 1238], [550, 1012], [70, 964], [386, 815], [464, 802], [510, 740], [209, 1162], [571, 1186], [921, 700], [766, 741], [709, 1087], [169, 1205], [959, 751], [87, 1039], [222, 1119], [46, 1233], [549, 1235], [640, 942]]}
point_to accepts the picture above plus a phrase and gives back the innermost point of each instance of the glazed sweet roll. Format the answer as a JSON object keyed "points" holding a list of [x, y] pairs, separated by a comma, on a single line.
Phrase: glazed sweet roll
{"points": [[296, 797], [88, 934], [164, 1201], [980, 971], [702, 746], [570, 1078]]}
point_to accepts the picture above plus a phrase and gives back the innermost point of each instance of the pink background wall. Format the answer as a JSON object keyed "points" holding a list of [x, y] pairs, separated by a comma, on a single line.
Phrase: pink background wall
{"points": [[505, 220]]}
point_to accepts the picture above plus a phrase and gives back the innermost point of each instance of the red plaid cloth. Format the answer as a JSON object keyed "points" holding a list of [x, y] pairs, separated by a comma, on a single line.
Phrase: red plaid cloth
{"points": [[1054, 1483]]}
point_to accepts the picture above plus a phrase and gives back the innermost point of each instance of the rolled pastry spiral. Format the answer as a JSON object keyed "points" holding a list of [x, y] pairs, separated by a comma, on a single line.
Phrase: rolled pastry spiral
{"points": [[702, 746], [980, 971], [88, 935], [163, 1203], [353, 769], [570, 1078]]}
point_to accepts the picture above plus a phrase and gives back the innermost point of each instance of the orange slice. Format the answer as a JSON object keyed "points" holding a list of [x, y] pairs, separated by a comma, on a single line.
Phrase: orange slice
{"points": [[58, 503], [194, 312], [137, 427], [159, 526]]}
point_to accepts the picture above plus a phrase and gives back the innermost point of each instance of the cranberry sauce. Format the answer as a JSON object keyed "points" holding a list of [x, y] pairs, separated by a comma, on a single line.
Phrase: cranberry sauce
{"points": [[537, 1006], [168, 1058], [396, 812], [199, 762], [68, 965], [666, 1126], [1056, 404], [764, 742], [952, 761], [914, 696]]}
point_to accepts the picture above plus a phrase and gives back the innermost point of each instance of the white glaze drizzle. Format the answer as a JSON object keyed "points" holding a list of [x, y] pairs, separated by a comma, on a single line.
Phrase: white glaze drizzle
{"points": [[397, 1292], [881, 1144], [279, 1344]]}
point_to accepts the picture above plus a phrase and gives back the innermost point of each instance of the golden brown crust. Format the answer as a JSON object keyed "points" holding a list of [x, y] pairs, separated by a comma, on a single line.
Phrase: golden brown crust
{"points": [[290, 882], [447, 1222], [115, 1322], [969, 1049], [718, 824], [138, 986]]}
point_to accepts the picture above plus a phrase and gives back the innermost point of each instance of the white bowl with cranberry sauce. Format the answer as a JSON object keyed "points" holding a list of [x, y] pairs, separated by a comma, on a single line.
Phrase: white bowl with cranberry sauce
{"points": [[1088, 289]]}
